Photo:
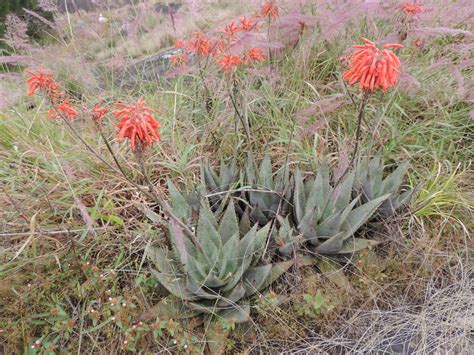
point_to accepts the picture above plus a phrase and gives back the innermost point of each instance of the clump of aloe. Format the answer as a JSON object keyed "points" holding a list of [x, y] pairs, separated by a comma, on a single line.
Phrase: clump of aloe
{"points": [[218, 273]]}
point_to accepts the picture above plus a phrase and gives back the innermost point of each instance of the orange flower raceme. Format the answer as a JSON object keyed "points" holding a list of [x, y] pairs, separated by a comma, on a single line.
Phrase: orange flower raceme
{"points": [[65, 108], [99, 112], [231, 29], [43, 81], [200, 44], [246, 24], [180, 44], [411, 9], [254, 54], [179, 59], [270, 10], [373, 68], [229, 62], [137, 124], [217, 45]]}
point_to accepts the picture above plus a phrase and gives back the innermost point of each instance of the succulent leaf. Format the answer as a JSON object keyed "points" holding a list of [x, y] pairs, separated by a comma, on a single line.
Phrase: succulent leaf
{"points": [[360, 215], [277, 270], [229, 225], [255, 278], [230, 256], [180, 206], [299, 196], [237, 293], [343, 192], [240, 314], [199, 290], [353, 245], [333, 244], [175, 286], [371, 184], [393, 181], [158, 257], [207, 234]]}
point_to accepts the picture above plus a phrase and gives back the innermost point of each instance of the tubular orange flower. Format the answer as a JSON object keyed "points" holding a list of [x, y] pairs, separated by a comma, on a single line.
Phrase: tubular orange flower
{"points": [[180, 43], [137, 124], [246, 24], [43, 81], [411, 9], [216, 45], [65, 108], [254, 54], [373, 68], [270, 10], [200, 44], [229, 62], [231, 29], [99, 112], [179, 59]]}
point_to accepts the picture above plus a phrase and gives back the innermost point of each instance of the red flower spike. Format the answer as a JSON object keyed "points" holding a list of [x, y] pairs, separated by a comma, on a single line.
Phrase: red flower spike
{"points": [[65, 108], [229, 62], [217, 45], [411, 9], [246, 24], [270, 10], [98, 112], [200, 44], [137, 124], [179, 59], [254, 55], [180, 44], [373, 68], [231, 29], [42, 80]]}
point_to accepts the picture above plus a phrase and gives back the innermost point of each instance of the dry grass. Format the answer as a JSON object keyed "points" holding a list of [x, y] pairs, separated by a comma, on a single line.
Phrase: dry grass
{"points": [[443, 323]]}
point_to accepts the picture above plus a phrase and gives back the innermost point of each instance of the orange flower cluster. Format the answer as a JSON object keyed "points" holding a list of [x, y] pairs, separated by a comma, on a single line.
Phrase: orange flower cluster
{"points": [[137, 124], [246, 24], [373, 68], [231, 29], [253, 54], [200, 44], [205, 46], [229, 62], [64, 108], [270, 10], [179, 59], [99, 112], [43, 81], [411, 9]]}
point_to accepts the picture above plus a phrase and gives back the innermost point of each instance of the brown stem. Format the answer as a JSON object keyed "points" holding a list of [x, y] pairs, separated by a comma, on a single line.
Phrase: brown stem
{"points": [[163, 205], [237, 112], [360, 117], [114, 157], [83, 141]]}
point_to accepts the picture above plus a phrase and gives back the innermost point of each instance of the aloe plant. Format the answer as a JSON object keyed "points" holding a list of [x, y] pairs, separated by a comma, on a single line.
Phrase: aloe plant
{"points": [[286, 237], [217, 276], [328, 217], [369, 182], [269, 195], [218, 186]]}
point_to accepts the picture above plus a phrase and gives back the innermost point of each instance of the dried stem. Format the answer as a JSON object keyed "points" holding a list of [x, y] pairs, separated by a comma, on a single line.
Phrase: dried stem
{"points": [[237, 112], [360, 118]]}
